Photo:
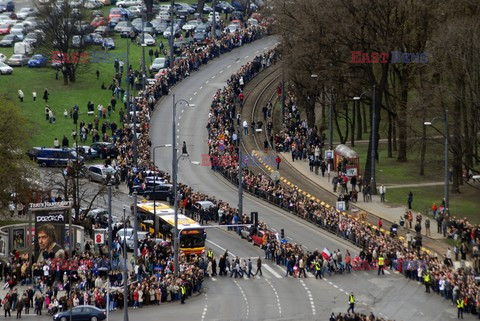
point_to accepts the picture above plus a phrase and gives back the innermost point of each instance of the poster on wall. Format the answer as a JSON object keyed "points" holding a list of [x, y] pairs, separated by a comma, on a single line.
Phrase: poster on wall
{"points": [[18, 238], [3, 245], [50, 235]]}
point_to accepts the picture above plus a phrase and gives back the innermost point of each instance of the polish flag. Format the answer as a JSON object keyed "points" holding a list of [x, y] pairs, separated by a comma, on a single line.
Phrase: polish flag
{"points": [[326, 254]]}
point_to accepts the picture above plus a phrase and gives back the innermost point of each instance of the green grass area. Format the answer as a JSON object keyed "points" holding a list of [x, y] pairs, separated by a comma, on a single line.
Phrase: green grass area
{"points": [[462, 205]]}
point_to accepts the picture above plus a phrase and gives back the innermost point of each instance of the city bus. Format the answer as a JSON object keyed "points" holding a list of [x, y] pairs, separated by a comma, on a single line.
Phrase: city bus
{"points": [[159, 222]]}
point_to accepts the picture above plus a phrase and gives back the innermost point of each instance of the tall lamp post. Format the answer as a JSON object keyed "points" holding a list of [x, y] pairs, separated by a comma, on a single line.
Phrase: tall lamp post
{"points": [[174, 176], [125, 267], [354, 112], [373, 184], [155, 184], [446, 134], [330, 123]]}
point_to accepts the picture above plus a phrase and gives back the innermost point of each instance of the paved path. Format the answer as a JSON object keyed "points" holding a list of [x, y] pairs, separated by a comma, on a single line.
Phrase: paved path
{"points": [[414, 185]]}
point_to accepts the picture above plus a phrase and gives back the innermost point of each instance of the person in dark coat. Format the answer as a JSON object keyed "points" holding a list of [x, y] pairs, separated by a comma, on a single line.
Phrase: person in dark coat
{"points": [[45, 95]]}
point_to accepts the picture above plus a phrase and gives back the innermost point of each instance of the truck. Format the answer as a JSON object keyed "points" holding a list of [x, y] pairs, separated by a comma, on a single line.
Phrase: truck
{"points": [[24, 48]]}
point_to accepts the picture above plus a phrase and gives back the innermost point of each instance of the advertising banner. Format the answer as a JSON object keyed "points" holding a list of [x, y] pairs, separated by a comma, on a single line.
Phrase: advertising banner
{"points": [[50, 234]]}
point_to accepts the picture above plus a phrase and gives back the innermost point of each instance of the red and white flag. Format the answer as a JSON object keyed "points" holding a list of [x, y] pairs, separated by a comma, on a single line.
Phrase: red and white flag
{"points": [[326, 254]]}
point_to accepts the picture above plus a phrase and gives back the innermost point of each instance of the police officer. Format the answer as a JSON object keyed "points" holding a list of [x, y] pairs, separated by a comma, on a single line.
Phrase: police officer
{"points": [[184, 293], [318, 269], [460, 305], [210, 254], [426, 281], [381, 263], [351, 302]]}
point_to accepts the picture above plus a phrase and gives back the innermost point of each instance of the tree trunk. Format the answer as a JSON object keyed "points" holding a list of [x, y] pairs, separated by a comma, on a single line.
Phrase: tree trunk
{"points": [[390, 126], [323, 125], [310, 111], [402, 118], [352, 135], [365, 131], [359, 121], [423, 148], [394, 134], [149, 5], [201, 4], [457, 144], [337, 126], [347, 121]]}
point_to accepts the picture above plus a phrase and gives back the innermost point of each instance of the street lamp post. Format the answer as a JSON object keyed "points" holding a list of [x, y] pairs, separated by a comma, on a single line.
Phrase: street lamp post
{"points": [[125, 268], [373, 185], [144, 76], [154, 185], [355, 112], [135, 227], [174, 177], [446, 174], [170, 41], [240, 174]]}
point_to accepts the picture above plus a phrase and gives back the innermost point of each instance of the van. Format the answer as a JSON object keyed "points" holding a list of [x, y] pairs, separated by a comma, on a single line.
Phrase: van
{"points": [[23, 48], [53, 156]]}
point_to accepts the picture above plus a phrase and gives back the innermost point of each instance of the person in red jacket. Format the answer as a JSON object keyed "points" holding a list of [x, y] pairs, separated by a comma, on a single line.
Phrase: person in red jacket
{"points": [[278, 160]]}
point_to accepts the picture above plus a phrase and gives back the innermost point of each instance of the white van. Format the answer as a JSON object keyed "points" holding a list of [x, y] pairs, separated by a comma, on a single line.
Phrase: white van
{"points": [[23, 48]]}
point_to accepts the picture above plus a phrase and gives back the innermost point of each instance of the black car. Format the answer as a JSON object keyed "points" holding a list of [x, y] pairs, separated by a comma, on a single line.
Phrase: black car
{"points": [[7, 5], [161, 193], [105, 149], [9, 40], [200, 37], [81, 313], [224, 7]]}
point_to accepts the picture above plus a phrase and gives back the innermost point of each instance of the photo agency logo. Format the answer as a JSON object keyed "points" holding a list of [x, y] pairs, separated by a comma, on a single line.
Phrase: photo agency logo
{"points": [[394, 57]]}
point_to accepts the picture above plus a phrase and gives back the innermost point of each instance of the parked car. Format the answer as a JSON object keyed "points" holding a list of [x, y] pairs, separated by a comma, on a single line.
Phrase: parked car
{"points": [[7, 6], [108, 43], [236, 15], [99, 21], [159, 26], [128, 3], [97, 13], [217, 16], [158, 63], [3, 58], [25, 12], [117, 13], [53, 156], [124, 26], [5, 28], [82, 313], [104, 31], [5, 69], [100, 173], [87, 152], [200, 37], [148, 39], [92, 4], [163, 192], [206, 8], [147, 27], [183, 7], [32, 38], [38, 60], [224, 7], [105, 149], [191, 25], [17, 60], [176, 31]]}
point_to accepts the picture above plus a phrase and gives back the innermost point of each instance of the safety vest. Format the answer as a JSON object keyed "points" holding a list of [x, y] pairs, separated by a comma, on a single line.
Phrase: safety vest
{"points": [[380, 261], [351, 299], [426, 278], [460, 303], [318, 267], [184, 290], [210, 253]]}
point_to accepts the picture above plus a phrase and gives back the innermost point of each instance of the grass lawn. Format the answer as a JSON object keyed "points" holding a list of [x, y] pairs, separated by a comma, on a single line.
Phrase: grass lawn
{"points": [[86, 88]]}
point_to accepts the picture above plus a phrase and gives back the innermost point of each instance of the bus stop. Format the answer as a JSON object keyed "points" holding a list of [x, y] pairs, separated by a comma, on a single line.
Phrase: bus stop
{"points": [[346, 160]]}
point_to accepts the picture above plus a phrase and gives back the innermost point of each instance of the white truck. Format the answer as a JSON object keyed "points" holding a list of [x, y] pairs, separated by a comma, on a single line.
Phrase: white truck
{"points": [[23, 48]]}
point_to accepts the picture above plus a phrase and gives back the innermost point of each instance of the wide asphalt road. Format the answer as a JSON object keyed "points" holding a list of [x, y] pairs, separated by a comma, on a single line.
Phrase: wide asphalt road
{"points": [[272, 297]]}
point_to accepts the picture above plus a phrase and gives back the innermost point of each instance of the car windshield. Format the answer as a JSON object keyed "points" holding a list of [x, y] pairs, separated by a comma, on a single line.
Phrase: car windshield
{"points": [[3, 65], [37, 57], [192, 240], [16, 57]]}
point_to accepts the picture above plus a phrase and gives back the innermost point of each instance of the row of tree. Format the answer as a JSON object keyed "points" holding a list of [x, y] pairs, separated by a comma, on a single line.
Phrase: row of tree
{"points": [[321, 36]]}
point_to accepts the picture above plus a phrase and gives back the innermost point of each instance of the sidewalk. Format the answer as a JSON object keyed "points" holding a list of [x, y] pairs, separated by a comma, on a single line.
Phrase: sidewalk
{"points": [[384, 210]]}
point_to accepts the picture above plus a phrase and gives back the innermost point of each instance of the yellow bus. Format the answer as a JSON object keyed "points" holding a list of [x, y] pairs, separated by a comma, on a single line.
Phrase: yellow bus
{"points": [[159, 221]]}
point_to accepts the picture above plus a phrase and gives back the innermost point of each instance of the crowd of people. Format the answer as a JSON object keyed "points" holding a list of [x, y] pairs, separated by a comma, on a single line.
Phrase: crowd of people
{"points": [[223, 124]]}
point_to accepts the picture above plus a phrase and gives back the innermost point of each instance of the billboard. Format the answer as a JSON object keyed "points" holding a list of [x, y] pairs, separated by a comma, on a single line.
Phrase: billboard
{"points": [[50, 234]]}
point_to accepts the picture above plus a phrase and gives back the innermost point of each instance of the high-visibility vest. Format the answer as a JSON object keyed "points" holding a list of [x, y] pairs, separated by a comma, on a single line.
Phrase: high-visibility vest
{"points": [[351, 299], [210, 253], [426, 278], [183, 290], [460, 303], [380, 261], [318, 267]]}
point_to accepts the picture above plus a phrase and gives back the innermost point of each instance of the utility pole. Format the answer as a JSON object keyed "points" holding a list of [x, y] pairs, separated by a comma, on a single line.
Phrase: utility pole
{"points": [[283, 93], [214, 27], [135, 228], [240, 169], [174, 181], [110, 237], [125, 271], [331, 120], [172, 56], [128, 82], [373, 185], [447, 179], [143, 52]]}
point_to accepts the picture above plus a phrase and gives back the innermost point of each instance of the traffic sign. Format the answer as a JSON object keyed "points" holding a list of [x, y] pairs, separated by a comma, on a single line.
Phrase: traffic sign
{"points": [[99, 237]]}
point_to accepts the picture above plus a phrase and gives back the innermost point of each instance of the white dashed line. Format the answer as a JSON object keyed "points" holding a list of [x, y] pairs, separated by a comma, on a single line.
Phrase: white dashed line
{"points": [[276, 295], [213, 77], [179, 117], [178, 130], [246, 57], [245, 298], [265, 48], [229, 66], [221, 71], [335, 286], [178, 124], [195, 93], [310, 297], [257, 51], [200, 88], [189, 99], [207, 81], [204, 313]]}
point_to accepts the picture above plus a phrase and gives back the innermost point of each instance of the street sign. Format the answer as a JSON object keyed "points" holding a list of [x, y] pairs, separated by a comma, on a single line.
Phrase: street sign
{"points": [[340, 206], [99, 237], [329, 154]]}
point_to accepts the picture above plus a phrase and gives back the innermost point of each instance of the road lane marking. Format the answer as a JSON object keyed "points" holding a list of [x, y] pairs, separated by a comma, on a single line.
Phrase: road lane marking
{"points": [[207, 81], [221, 71], [277, 297], [310, 297], [229, 66], [213, 77], [195, 93], [205, 309], [189, 99], [245, 298], [257, 51], [221, 248], [200, 88], [246, 57], [278, 276]]}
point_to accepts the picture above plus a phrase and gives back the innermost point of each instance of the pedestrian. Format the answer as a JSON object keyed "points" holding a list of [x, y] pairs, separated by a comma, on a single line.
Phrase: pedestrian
{"points": [[20, 95], [245, 127], [98, 74], [184, 293], [318, 269], [259, 267], [150, 53], [460, 305], [351, 302], [34, 95], [427, 227], [265, 145], [65, 113], [19, 308], [56, 143], [250, 267], [45, 95], [278, 161], [7, 306], [410, 200], [382, 191], [426, 281], [381, 263]]}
